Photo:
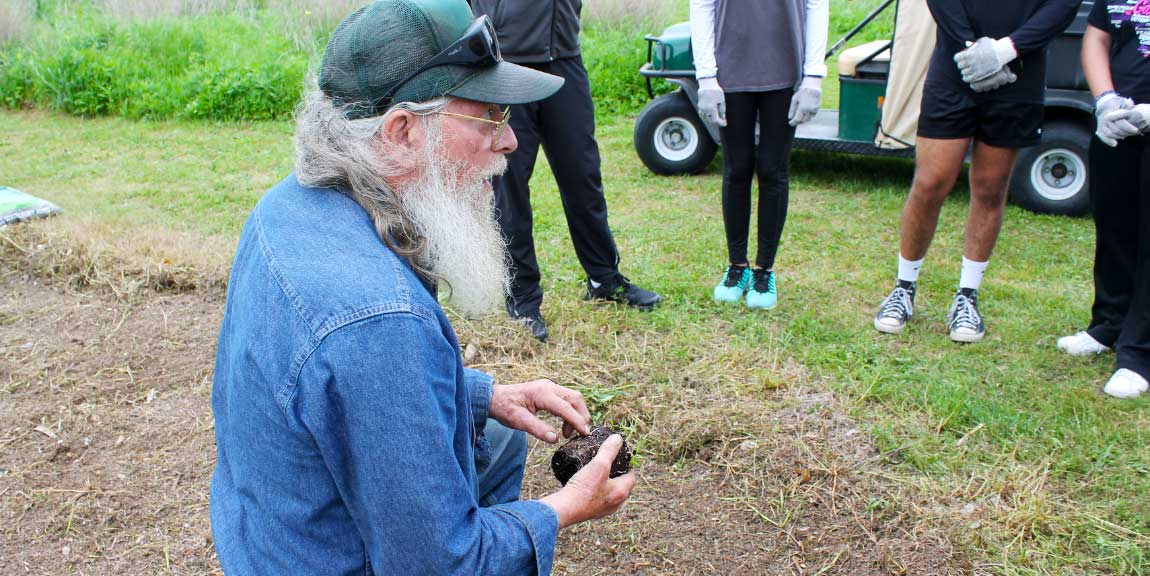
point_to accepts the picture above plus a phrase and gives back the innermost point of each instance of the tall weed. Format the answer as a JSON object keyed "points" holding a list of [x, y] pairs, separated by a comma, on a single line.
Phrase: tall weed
{"points": [[614, 12], [15, 19], [308, 23]]}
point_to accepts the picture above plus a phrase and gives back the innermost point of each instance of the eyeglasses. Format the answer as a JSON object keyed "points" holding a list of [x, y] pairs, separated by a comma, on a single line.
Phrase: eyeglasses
{"points": [[499, 118], [479, 47]]}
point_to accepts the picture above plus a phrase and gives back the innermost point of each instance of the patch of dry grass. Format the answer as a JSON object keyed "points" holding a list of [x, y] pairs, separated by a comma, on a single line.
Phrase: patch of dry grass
{"points": [[15, 19], [135, 10], [306, 21], [83, 254], [618, 11], [109, 414]]}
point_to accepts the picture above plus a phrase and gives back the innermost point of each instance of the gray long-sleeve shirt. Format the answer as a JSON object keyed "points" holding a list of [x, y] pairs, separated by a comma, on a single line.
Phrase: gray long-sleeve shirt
{"points": [[754, 46]]}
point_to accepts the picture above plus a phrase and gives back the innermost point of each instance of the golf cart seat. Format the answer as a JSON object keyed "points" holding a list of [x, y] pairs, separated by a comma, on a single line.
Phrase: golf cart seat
{"points": [[876, 52]]}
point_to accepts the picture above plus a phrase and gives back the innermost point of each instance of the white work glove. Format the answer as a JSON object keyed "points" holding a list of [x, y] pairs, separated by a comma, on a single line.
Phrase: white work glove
{"points": [[712, 104], [1111, 129], [1138, 117], [995, 81], [806, 101], [985, 57]]}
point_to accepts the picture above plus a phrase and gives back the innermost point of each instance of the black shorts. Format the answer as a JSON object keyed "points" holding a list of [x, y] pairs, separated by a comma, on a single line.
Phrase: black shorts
{"points": [[949, 114]]}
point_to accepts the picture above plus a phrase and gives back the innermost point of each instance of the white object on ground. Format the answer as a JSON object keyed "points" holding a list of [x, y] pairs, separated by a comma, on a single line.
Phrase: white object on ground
{"points": [[16, 206], [1081, 344], [1126, 384]]}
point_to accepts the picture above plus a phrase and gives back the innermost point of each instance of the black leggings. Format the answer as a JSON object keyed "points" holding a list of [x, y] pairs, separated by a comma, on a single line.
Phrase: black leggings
{"points": [[771, 162], [1120, 201]]}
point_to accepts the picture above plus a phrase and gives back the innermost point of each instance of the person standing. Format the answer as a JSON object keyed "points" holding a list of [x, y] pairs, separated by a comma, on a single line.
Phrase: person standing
{"points": [[1114, 57], [544, 35], [986, 84], [776, 90]]}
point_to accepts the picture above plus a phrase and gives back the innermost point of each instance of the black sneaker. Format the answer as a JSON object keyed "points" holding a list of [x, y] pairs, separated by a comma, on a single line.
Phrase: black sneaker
{"points": [[621, 290], [897, 309], [532, 319], [963, 321]]}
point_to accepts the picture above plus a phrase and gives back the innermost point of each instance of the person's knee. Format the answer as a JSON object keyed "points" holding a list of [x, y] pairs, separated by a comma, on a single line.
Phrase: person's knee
{"points": [[933, 182], [773, 173], [516, 447], [507, 445], [988, 186], [739, 170], [930, 188]]}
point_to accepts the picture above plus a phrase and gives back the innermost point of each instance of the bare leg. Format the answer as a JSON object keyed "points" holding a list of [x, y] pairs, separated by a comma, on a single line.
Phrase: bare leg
{"points": [[990, 168], [937, 165]]}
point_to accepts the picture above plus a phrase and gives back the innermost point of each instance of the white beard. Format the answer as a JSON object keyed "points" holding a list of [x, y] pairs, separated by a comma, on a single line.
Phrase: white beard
{"points": [[454, 212]]}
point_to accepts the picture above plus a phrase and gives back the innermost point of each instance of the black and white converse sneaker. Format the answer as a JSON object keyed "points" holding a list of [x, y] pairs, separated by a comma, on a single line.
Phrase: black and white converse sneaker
{"points": [[897, 309], [963, 321]]}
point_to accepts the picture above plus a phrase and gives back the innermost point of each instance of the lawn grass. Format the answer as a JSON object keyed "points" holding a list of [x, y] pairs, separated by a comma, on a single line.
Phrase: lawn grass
{"points": [[1056, 472]]}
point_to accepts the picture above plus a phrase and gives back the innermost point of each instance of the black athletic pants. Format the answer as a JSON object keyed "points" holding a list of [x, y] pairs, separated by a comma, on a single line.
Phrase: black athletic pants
{"points": [[1120, 201], [771, 161], [565, 126]]}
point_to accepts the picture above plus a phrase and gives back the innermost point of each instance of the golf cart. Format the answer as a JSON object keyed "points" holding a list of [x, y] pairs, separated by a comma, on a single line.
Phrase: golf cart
{"points": [[880, 87]]}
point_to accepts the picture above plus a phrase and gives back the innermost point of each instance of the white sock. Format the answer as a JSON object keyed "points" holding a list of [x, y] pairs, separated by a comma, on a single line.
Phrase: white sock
{"points": [[971, 273], [908, 269]]}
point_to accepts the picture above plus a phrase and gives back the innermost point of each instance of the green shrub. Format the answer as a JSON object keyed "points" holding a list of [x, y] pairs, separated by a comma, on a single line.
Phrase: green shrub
{"points": [[265, 92], [250, 64], [220, 67], [15, 79], [613, 54]]}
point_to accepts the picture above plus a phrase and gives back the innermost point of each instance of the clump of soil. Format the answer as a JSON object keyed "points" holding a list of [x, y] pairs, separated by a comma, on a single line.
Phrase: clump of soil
{"points": [[579, 451]]}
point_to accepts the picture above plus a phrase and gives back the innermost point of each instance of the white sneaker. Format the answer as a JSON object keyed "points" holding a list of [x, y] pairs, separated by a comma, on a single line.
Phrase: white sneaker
{"points": [[1081, 344], [1126, 384]]}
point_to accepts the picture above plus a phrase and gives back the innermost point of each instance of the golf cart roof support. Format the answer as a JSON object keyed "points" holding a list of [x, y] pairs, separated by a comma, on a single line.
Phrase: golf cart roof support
{"points": [[858, 27]]}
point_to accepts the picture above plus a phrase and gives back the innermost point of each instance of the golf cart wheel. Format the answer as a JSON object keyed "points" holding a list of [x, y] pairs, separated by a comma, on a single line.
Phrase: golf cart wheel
{"points": [[1051, 178], [671, 139]]}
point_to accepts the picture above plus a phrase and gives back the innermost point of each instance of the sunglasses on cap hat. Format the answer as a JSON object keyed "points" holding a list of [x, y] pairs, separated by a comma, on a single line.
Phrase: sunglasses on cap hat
{"points": [[479, 47]]}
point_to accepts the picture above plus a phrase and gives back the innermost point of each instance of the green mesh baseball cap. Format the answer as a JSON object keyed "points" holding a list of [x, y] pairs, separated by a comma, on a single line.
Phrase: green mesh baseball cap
{"points": [[379, 55]]}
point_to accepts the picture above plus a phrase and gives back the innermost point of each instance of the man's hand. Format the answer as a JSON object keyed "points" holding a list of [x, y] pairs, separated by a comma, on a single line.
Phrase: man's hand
{"points": [[712, 104], [1138, 118], [591, 493], [1110, 127], [995, 81], [806, 101], [516, 406], [984, 58]]}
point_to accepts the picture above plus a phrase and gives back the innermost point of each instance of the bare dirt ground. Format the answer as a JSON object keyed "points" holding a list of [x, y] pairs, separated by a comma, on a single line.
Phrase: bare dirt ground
{"points": [[107, 450]]}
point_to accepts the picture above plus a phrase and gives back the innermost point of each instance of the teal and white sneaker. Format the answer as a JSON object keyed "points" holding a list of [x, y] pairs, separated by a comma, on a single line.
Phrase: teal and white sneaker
{"points": [[735, 282], [763, 294]]}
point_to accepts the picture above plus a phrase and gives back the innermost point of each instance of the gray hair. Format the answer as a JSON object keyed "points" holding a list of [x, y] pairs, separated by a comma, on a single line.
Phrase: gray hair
{"points": [[352, 156]]}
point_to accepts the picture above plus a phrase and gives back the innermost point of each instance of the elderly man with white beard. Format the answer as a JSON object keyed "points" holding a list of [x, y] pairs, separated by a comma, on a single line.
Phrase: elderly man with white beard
{"points": [[350, 437]]}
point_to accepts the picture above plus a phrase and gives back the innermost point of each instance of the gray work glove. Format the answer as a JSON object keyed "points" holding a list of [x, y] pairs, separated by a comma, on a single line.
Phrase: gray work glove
{"points": [[1138, 117], [984, 58], [1111, 128], [806, 101], [995, 81], [712, 105]]}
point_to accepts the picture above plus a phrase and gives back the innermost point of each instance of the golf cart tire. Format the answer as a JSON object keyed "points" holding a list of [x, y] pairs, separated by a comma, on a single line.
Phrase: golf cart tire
{"points": [[1051, 178], [671, 139]]}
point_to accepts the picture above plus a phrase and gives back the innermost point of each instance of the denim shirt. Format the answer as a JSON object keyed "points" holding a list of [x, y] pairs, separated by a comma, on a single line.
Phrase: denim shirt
{"points": [[346, 424]]}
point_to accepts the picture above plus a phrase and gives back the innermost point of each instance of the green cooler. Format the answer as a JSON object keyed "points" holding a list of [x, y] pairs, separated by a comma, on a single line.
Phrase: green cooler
{"points": [[863, 72]]}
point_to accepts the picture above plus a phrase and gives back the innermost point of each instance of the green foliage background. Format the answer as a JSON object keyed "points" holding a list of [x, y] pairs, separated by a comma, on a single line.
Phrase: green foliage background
{"points": [[247, 65], [224, 66]]}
